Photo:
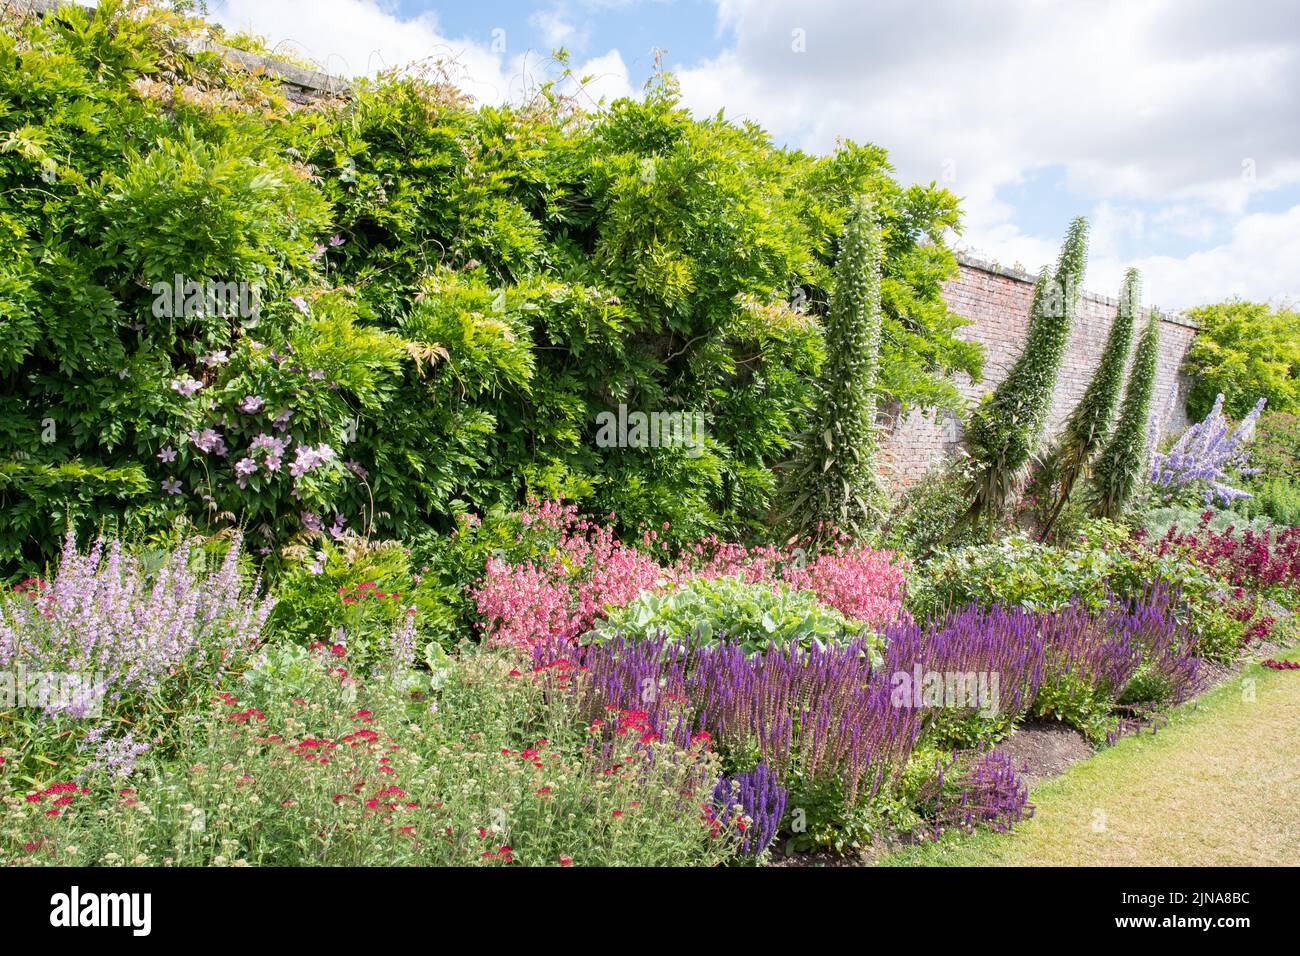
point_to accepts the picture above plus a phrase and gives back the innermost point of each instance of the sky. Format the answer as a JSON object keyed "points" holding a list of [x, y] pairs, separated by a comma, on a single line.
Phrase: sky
{"points": [[1173, 125]]}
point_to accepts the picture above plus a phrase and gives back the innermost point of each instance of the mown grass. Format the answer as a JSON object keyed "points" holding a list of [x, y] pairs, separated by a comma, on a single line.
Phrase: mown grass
{"points": [[1218, 786]]}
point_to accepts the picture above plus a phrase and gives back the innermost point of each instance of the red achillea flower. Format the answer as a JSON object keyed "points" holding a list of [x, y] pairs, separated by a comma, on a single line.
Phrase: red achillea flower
{"points": [[1282, 665], [566, 861]]}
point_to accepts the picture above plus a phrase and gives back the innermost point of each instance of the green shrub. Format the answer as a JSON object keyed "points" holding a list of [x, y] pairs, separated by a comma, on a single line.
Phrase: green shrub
{"points": [[1274, 499], [1244, 350], [707, 610], [1103, 563], [928, 512], [1275, 446], [448, 296], [358, 593]]}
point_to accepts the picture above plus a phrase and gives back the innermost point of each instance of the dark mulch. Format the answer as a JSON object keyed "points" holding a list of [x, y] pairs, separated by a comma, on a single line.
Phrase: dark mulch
{"points": [[1041, 750]]}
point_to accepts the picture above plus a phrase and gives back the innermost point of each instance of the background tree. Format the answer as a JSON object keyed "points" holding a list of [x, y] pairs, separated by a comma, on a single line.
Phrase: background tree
{"points": [[1116, 473], [1007, 425], [1089, 424], [833, 483], [1246, 351]]}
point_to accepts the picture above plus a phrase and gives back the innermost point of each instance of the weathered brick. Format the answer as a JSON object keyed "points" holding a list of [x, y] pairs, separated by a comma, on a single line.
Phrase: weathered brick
{"points": [[997, 300]]}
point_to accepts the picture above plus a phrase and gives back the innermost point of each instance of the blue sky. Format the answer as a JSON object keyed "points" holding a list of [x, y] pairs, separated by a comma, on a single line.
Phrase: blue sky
{"points": [[1171, 124]]}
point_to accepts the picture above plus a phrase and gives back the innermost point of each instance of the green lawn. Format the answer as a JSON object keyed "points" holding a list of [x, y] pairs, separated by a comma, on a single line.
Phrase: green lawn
{"points": [[1219, 786]]}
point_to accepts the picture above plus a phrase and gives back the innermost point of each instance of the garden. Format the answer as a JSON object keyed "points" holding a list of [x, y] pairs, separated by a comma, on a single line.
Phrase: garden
{"points": [[391, 480]]}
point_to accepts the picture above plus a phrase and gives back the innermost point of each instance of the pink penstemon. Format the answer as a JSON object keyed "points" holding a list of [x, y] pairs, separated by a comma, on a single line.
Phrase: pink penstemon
{"points": [[588, 570]]}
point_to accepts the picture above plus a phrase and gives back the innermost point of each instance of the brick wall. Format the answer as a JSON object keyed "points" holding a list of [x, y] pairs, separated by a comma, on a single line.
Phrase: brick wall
{"points": [[996, 300]]}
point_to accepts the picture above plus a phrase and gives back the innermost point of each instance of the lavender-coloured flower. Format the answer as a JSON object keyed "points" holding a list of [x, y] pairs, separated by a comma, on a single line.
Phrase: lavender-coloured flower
{"points": [[140, 630], [171, 485], [186, 386], [168, 454], [251, 404], [1205, 453], [756, 795], [309, 458], [209, 441]]}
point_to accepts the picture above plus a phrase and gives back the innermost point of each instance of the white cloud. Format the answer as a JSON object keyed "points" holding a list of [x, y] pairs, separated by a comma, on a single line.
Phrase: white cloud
{"points": [[608, 80], [1166, 117], [556, 27], [361, 37], [1259, 262]]}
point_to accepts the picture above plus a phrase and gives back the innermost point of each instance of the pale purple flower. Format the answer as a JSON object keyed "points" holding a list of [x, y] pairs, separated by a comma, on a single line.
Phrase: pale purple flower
{"points": [[355, 467], [336, 530], [115, 756], [1204, 455], [311, 521], [209, 441], [219, 357], [245, 467], [186, 386], [168, 454], [310, 458], [138, 630], [269, 443], [172, 486], [251, 404], [300, 302], [281, 421], [401, 644], [337, 241]]}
